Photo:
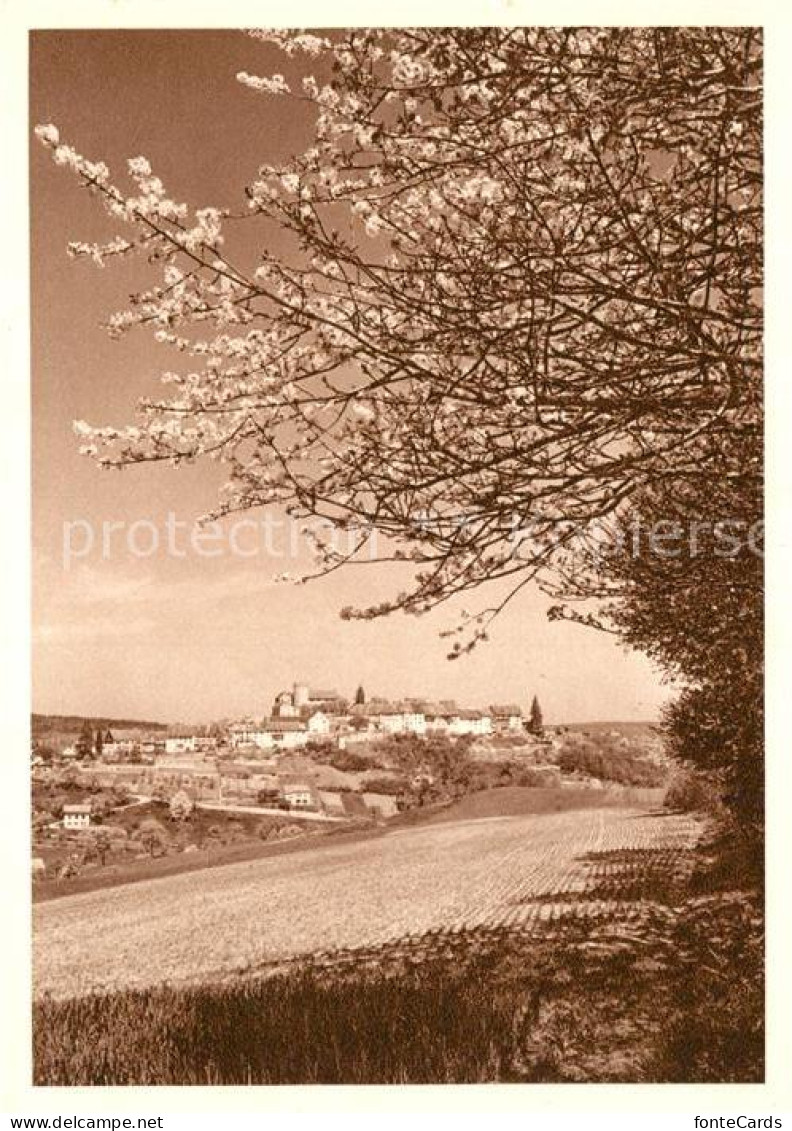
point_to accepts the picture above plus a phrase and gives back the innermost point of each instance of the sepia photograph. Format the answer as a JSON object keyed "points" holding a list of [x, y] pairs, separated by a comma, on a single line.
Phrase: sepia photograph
{"points": [[397, 556]]}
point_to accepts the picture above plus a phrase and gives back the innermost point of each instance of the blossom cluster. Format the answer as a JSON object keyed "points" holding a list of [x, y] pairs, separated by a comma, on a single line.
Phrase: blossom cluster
{"points": [[528, 283]]}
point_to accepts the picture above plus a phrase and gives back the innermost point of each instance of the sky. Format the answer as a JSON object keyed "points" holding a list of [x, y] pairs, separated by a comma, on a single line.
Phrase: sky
{"points": [[124, 629]]}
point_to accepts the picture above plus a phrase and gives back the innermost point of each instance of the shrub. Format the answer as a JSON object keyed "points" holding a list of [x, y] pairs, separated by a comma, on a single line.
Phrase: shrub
{"points": [[691, 792], [181, 806], [392, 786], [152, 836], [350, 762]]}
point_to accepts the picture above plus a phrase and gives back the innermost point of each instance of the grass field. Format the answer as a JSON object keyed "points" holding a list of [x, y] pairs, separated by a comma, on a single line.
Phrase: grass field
{"points": [[517, 872], [468, 1021], [516, 801], [676, 998], [501, 801]]}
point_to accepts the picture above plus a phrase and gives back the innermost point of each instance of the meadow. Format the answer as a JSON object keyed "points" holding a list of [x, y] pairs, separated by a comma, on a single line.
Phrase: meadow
{"points": [[516, 873], [595, 1000]]}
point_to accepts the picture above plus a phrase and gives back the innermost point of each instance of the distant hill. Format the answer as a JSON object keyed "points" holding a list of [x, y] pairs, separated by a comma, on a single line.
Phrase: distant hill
{"points": [[73, 724]]}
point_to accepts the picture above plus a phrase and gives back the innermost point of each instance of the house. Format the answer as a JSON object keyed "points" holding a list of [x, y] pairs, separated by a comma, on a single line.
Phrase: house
{"points": [[151, 747], [319, 723], [438, 715], [251, 734], [118, 751], [506, 718], [76, 816], [437, 724], [239, 735], [394, 718], [184, 742], [288, 734], [300, 794], [414, 721], [470, 722], [282, 732]]}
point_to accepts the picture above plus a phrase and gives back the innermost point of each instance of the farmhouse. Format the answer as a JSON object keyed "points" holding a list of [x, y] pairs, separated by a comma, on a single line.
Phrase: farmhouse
{"points": [[300, 794], [76, 816]]}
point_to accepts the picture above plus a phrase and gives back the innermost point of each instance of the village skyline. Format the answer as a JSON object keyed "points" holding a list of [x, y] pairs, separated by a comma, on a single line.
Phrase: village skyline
{"points": [[387, 693]]}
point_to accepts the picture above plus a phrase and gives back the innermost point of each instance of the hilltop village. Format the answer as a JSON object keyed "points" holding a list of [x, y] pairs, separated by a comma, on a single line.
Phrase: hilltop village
{"points": [[120, 791]]}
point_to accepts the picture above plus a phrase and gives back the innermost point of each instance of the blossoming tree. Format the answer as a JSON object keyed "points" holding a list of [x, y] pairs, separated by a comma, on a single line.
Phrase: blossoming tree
{"points": [[525, 288]]}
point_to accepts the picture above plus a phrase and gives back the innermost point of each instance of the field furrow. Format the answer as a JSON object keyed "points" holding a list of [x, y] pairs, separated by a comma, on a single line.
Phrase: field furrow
{"points": [[519, 872]]}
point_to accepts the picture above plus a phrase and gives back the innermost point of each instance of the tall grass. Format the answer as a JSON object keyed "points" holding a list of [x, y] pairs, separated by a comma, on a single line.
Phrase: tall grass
{"points": [[289, 1030], [497, 1007]]}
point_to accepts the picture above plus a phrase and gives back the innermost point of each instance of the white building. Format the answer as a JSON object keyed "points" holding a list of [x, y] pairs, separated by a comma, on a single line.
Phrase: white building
{"points": [[507, 717], [400, 722], [470, 722], [181, 744], [76, 816], [117, 751], [277, 733], [395, 718], [319, 723], [251, 734], [300, 795], [437, 724], [289, 734]]}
